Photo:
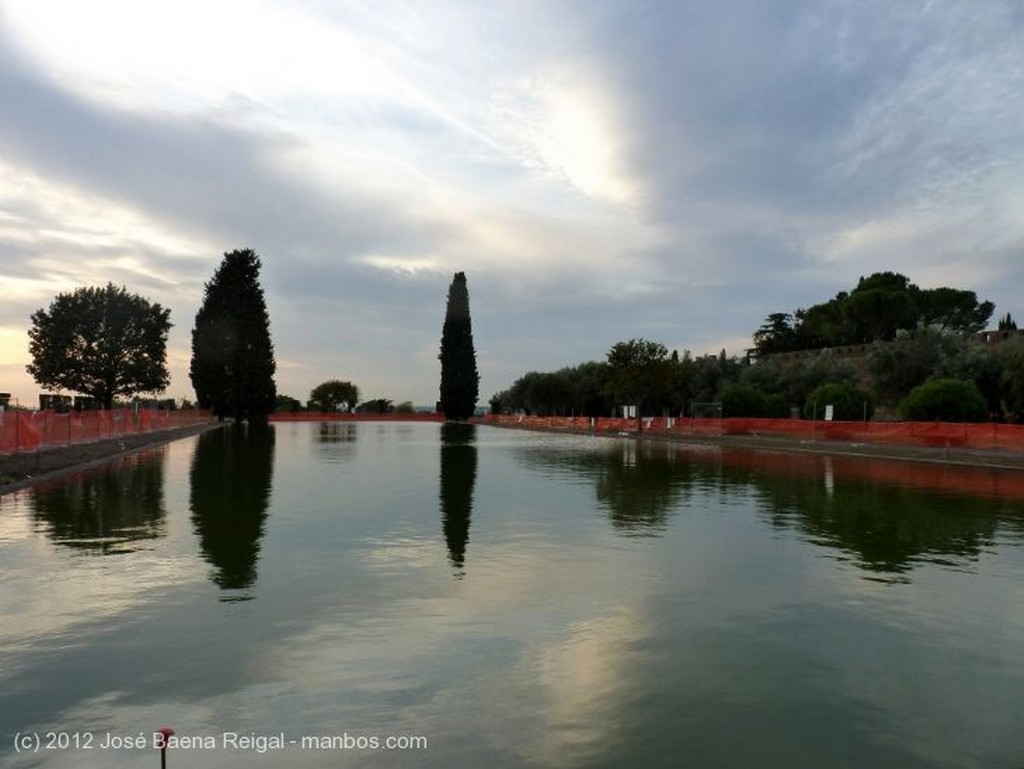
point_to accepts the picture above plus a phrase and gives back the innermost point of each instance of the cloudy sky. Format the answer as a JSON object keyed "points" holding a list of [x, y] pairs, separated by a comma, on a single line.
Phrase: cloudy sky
{"points": [[601, 170]]}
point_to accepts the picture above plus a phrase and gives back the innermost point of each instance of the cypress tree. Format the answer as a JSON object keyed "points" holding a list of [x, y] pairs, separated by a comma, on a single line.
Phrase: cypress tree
{"points": [[460, 382], [233, 365]]}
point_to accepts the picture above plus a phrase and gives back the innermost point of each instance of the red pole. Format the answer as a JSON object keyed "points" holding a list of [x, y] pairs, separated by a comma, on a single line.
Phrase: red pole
{"points": [[164, 733]]}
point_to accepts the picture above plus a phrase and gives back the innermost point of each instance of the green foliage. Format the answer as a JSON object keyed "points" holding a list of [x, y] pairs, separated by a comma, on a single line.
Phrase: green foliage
{"points": [[233, 365], [589, 384], [577, 390], [549, 394], [376, 406], [1007, 323], [849, 403], [708, 374], [643, 373], [499, 403], [1012, 380], [640, 374], [334, 395], [102, 342], [739, 400], [776, 334], [953, 310], [460, 382], [981, 365], [945, 400], [877, 314], [794, 380], [286, 404], [405, 407], [878, 309], [909, 361], [776, 407]]}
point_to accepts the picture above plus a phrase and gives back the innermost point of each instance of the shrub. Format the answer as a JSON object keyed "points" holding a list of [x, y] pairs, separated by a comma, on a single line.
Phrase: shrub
{"points": [[776, 406], [847, 401], [945, 400], [742, 401]]}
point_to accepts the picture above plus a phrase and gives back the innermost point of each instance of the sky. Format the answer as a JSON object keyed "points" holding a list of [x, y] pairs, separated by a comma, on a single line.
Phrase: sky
{"points": [[674, 170]]}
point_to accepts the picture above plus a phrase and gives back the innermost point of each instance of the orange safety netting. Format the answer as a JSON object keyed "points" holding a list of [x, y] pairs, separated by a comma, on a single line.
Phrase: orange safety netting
{"points": [[942, 434], [339, 416], [31, 431]]}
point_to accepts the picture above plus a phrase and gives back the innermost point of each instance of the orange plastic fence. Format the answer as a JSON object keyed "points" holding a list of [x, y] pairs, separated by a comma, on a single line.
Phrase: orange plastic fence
{"points": [[30, 431], [952, 479], [333, 416], [941, 434]]}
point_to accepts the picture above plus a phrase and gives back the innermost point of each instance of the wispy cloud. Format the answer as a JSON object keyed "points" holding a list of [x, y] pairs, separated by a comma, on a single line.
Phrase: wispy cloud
{"points": [[675, 170]]}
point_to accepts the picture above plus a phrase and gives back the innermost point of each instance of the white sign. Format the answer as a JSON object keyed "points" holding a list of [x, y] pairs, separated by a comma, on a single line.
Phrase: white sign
{"points": [[828, 413]]}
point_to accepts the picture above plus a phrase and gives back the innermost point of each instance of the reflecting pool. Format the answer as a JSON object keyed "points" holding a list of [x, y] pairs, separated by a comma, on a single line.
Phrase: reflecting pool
{"points": [[407, 594]]}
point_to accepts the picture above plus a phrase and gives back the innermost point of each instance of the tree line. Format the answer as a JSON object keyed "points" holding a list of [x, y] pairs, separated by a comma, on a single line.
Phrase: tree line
{"points": [[107, 343], [878, 308], [919, 361], [336, 395]]}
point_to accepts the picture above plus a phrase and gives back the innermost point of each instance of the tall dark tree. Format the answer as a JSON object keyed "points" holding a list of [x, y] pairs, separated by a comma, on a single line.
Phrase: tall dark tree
{"points": [[460, 382], [102, 342], [232, 356]]}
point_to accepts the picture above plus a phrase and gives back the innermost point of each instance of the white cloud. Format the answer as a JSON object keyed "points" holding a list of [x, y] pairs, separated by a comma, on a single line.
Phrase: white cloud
{"points": [[600, 172], [562, 124]]}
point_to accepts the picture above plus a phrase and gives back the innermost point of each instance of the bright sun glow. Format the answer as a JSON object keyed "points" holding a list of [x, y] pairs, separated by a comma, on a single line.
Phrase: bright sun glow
{"points": [[563, 126], [192, 55]]}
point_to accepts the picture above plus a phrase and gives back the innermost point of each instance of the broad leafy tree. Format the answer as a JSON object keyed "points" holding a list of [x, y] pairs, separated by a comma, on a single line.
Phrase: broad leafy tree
{"points": [[877, 309], [376, 406], [334, 395], [460, 382], [640, 374], [953, 309], [101, 342], [232, 356]]}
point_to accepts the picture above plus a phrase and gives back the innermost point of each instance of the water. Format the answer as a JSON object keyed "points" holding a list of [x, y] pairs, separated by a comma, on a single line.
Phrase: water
{"points": [[517, 599]]}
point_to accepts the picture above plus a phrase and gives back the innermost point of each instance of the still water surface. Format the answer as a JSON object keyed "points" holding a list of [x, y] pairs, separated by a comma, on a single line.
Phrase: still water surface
{"points": [[517, 599]]}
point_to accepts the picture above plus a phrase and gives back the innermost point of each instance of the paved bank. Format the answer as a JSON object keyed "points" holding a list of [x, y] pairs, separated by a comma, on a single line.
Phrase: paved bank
{"points": [[20, 470], [994, 458]]}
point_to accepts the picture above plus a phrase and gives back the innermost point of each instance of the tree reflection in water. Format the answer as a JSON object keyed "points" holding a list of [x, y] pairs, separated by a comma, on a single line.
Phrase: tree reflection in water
{"points": [[231, 477], [105, 510], [885, 516], [458, 477]]}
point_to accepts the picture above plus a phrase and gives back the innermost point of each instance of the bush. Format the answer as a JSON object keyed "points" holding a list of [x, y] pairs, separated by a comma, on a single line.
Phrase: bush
{"points": [[847, 402], [776, 407], [945, 400], [742, 401]]}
